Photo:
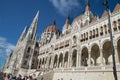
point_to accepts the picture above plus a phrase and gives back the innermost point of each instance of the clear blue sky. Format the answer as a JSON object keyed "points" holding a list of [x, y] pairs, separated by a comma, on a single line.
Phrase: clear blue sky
{"points": [[16, 14]]}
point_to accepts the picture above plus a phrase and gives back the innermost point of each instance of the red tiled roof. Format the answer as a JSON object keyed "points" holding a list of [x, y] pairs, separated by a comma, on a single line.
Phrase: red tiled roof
{"points": [[52, 28], [104, 14], [78, 18], [86, 23], [87, 8], [94, 19], [117, 7]]}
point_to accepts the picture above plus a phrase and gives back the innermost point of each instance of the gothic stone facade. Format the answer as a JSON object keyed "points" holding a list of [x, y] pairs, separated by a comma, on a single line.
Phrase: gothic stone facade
{"points": [[81, 51]]}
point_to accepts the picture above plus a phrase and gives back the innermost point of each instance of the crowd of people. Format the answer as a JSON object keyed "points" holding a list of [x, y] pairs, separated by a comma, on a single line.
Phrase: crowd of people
{"points": [[6, 76]]}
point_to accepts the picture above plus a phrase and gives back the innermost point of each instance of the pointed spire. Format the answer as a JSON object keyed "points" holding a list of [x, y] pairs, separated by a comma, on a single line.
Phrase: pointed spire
{"points": [[68, 19], [23, 34], [33, 27], [37, 15], [87, 9], [87, 3], [35, 20]]}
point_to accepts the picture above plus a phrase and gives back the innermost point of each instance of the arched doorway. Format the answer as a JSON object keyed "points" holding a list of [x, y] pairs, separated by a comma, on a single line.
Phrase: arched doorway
{"points": [[60, 60], [74, 58], [66, 60], [118, 49], [95, 53], [55, 61], [107, 52], [84, 57]]}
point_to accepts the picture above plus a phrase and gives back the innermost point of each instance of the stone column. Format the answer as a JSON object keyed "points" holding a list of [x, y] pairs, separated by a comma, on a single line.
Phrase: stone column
{"points": [[63, 62], [52, 61], [80, 59], [77, 61], [70, 58], [116, 54], [47, 62], [41, 64], [44, 63], [57, 62], [30, 61], [68, 65], [38, 64], [89, 57], [101, 56]]}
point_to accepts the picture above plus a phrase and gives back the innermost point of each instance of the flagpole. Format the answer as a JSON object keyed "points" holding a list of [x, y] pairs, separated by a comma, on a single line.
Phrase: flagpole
{"points": [[105, 3]]}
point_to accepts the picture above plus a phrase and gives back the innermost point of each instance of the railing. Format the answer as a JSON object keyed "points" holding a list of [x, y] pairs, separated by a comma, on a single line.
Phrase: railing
{"points": [[92, 68]]}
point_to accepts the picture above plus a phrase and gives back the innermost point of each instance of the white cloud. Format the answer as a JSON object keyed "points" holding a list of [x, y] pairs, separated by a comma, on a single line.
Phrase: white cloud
{"points": [[5, 47], [64, 6]]}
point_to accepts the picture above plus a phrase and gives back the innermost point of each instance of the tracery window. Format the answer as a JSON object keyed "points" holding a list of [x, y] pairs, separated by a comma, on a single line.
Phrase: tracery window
{"points": [[114, 25]]}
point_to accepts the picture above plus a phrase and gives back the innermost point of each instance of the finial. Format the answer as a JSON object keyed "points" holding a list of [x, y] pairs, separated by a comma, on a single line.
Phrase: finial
{"points": [[87, 6], [68, 17], [105, 3], [87, 2], [54, 22]]}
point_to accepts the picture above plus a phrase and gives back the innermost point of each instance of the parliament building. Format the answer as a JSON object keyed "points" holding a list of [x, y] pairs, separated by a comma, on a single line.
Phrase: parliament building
{"points": [[82, 51]]}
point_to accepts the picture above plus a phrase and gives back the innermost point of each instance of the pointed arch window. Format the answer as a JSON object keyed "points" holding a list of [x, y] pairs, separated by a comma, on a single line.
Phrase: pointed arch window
{"points": [[114, 25], [37, 45], [101, 30], [90, 35], [93, 33], [105, 29], [97, 32], [81, 37], [119, 24], [86, 35], [108, 27], [28, 50], [74, 39]]}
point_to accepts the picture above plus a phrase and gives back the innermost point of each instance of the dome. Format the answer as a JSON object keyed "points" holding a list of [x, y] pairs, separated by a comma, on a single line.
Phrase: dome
{"points": [[52, 28]]}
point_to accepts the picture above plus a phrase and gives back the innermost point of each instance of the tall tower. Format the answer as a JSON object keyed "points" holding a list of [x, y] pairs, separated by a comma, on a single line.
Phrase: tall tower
{"points": [[88, 15], [87, 9], [67, 25], [23, 35], [24, 50], [30, 43], [32, 32]]}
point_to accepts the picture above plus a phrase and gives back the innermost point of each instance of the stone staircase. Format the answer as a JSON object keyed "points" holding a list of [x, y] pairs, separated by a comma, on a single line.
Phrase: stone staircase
{"points": [[46, 76]]}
